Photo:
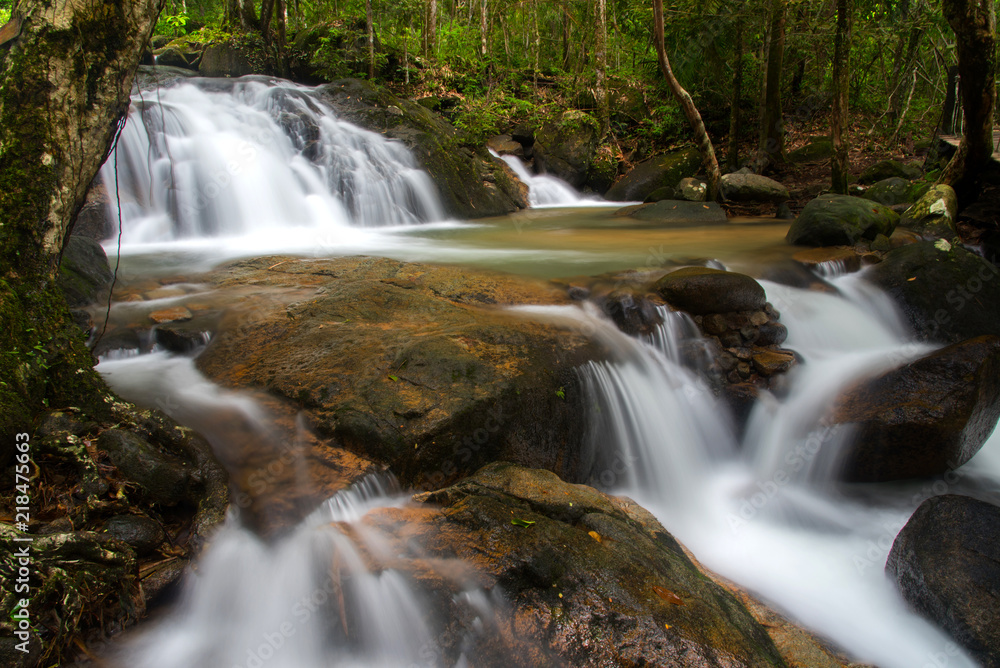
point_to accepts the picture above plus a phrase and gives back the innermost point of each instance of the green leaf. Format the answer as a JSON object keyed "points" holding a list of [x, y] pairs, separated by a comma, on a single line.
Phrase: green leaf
{"points": [[393, 378], [561, 393], [518, 522]]}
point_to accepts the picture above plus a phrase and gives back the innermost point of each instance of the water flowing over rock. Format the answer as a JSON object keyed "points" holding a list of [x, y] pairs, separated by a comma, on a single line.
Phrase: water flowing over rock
{"points": [[946, 295], [925, 418], [945, 563], [565, 148], [835, 220], [410, 364]]}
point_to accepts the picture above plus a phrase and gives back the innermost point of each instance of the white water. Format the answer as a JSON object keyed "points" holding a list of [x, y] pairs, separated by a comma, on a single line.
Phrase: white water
{"points": [[545, 190], [770, 518]]}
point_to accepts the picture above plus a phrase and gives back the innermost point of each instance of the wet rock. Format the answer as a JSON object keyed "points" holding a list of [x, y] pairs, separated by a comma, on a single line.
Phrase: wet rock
{"points": [[946, 563], [582, 563], [172, 314], [172, 57], [841, 258], [412, 365], [772, 334], [701, 290], [565, 148], [840, 220], [162, 478], [677, 213], [84, 274], [945, 295], [752, 188], [505, 145], [771, 362], [141, 533], [890, 192], [664, 171], [925, 418], [185, 337], [122, 339], [741, 399], [934, 214], [887, 169], [631, 312]]}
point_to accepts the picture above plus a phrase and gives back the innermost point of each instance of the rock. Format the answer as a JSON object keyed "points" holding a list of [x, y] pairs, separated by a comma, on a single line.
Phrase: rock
{"points": [[946, 564], [934, 214], [163, 479], [505, 145], [700, 290], [119, 339], [172, 57], [565, 148], [94, 218], [171, 314], [887, 169], [472, 184], [818, 148], [890, 192], [741, 399], [182, 337], [591, 580], [664, 171], [925, 418], [840, 220], [225, 60], [411, 365], [140, 532], [946, 296], [771, 362], [692, 190], [845, 259], [677, 213], [660, 194], [752, 188], [632, 313], [84, 274]]}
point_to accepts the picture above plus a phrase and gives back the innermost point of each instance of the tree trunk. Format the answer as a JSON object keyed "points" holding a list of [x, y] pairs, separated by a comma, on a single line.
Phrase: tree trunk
{"points": [[430, 28], [65, 83], [240, 15], [839, 174], [974, 23], [948, 113], [482, 29], [370, 32], [601, 66], [266, 11], [687, 104], [772, 134], [735, 120]]}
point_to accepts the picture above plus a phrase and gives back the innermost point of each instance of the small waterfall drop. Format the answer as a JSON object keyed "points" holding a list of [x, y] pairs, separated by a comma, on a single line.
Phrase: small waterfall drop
{"points": [[207, 158], [545, 190]]}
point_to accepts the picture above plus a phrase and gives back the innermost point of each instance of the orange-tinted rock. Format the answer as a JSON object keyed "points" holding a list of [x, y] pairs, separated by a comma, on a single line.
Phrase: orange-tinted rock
{"points": [[172, 314]]}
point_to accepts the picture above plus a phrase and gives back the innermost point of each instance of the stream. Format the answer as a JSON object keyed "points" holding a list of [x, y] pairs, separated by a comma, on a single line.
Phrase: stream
{"points": [[213, 171]]}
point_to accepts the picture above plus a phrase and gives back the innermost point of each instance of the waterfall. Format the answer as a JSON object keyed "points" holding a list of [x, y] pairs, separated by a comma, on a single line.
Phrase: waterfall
{"points": [[545, 190], [206, 158]]}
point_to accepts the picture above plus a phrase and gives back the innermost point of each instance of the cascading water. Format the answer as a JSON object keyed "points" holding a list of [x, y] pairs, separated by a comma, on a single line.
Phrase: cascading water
{"points": [[545, 190], [207, 158], [769, 517]]}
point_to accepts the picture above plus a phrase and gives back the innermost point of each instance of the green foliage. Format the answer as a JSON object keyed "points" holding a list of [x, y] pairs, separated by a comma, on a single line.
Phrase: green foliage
{"points": [[487, 116]]}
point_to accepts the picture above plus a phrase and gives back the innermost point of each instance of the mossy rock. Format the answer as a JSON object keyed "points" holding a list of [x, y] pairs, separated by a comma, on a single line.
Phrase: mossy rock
{"points": [[886, 169], [702, 290], [841, 220], [890, 192], [818, 148], [566, 148], [664, 171], [934, 214], [84, 274]]}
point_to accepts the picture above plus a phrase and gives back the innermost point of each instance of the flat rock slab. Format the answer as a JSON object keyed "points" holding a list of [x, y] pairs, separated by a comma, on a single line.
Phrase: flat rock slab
{"points": [[677, 213]]}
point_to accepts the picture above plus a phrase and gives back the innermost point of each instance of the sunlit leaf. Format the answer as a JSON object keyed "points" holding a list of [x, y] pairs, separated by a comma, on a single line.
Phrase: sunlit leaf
{"points": [[518, 522], [667, 595]]}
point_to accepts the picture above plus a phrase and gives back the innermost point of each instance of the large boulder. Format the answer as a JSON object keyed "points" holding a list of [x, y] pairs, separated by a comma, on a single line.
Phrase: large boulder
{"points": [[934, 213], [471, 183], [924, 418], [701, 290], [225, 60], [589, 579], [894, 191], [410, 365], [946, 563], [840, 220], [676, 213], [664, 171], [818, 148], [565, 148], [887, 169], [752, 188], [947, 294]]}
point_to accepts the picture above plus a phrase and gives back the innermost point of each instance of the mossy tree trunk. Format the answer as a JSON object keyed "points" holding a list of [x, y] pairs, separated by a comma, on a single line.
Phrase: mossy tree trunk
{"points": [[705, 146], [841, 89], [65, 82], [974, 23]]}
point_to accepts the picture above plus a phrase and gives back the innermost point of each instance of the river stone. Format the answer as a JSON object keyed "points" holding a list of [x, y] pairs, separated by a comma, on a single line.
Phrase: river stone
{"points": [[946, 563], [752, 188], [142, 533], [677, 213], [890, 192], [701, 290], [419, 367], [172, 57], [505, 145], [565, 148], [840, 220], [771, 362], [171, 314], [633, 313], [818, 148], [591, 580], [815, 258], [945, 295], [887, 169], [925, 418], [934, 214], [664, 171], [692, 190], [162, 478]]}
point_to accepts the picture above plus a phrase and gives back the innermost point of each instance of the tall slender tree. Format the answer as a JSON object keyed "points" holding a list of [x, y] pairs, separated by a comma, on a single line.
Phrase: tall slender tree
{"points": [[841, 89], [709, 160], [772, 131]]}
